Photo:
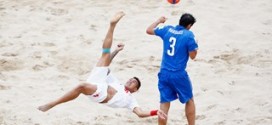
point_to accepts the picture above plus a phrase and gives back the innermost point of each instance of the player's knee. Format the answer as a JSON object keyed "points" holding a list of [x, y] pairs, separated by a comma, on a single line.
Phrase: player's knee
{"points": [[190, 114], [81, 87]]}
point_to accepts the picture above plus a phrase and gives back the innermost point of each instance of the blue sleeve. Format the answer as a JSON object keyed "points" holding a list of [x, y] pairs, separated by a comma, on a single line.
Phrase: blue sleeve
{"points": [[192, 45], [161, 30]]}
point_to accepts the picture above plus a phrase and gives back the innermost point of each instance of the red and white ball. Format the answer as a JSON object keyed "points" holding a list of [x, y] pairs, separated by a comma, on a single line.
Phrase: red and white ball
{"points": [[173, 1]]}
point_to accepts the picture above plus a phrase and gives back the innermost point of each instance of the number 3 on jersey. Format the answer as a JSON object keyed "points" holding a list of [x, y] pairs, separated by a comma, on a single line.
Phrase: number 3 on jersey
{"points": [[171, 50]]}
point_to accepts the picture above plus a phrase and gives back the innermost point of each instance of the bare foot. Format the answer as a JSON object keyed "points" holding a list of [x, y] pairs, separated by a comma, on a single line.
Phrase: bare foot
{"points": [[44, 108], [117, 17]]}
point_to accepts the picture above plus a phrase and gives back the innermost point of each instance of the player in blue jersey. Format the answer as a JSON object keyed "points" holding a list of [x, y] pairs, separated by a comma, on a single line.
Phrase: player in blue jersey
{"points": [[178, 45]]}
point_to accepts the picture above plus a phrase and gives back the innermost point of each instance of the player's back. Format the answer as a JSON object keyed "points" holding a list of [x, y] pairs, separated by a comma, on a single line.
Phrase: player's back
{"points": [[175, 48]]}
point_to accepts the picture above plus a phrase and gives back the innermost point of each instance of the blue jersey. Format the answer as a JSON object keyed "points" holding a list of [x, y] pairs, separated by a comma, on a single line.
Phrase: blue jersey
{"points": [[177, 43]]}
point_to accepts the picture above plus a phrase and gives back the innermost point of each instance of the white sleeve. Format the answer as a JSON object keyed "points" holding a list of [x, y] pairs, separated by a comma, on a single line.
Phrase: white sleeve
{"points": [[133, 103]]}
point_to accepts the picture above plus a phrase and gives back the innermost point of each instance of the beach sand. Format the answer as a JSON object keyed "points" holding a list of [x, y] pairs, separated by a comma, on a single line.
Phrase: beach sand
{"points": [[49, 47]]}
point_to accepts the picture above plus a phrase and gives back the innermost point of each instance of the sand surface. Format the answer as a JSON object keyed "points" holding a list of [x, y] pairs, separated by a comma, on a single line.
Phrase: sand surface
{"points": [[48, 47]]}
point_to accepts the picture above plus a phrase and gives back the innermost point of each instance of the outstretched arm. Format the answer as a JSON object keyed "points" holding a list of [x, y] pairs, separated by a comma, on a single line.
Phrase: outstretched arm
{"points": [[120, 47], [140, 113], [150, 29]]}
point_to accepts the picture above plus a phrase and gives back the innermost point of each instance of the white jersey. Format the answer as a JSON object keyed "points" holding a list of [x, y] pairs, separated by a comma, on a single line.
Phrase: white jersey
{"points": [[101, 77], [123, 98]]}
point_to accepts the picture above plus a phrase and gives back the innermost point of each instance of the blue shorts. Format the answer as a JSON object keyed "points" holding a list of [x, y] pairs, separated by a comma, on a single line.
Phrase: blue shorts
{"points": [[174, 85]]}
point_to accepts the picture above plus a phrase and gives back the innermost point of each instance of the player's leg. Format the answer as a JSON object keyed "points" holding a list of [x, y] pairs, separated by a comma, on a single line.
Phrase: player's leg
{"points": [[84, 88], [190, 111], [165, 108], [105, 58], [167, 94], [183, 87]]}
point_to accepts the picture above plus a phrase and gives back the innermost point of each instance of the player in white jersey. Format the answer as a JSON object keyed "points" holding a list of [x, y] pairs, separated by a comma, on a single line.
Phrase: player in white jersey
{"points": [[102, 87]]}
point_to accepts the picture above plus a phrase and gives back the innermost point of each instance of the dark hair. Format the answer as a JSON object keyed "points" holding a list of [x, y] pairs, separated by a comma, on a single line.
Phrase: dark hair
{"points": [[186, 19], [139, 82]]}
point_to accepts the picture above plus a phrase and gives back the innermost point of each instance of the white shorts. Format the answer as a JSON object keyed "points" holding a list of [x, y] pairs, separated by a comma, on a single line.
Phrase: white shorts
{"points": [[98, 77]]}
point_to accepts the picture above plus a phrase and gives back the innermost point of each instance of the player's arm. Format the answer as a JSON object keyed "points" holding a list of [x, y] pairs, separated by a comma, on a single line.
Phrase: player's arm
{"points": [[120, 47], [150, 29], [142, 114], [193, 54], [192, 47]]}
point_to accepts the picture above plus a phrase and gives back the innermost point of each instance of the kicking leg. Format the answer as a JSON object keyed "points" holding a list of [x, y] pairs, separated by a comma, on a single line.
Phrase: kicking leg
{"points": [[85, 88], [105, 58]]}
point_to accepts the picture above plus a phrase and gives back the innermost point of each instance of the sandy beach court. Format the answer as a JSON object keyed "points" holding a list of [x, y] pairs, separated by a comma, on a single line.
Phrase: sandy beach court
{"points": [[48, 47]]}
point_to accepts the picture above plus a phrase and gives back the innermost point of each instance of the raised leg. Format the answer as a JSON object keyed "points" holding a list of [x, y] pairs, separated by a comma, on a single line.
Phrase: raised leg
{"points": [[105, 58], [85, 88]]}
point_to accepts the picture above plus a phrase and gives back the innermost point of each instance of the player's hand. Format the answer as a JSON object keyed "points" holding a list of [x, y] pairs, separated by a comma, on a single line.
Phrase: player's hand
{"points": [[161, 114], [162, 19], [120, 46]]}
